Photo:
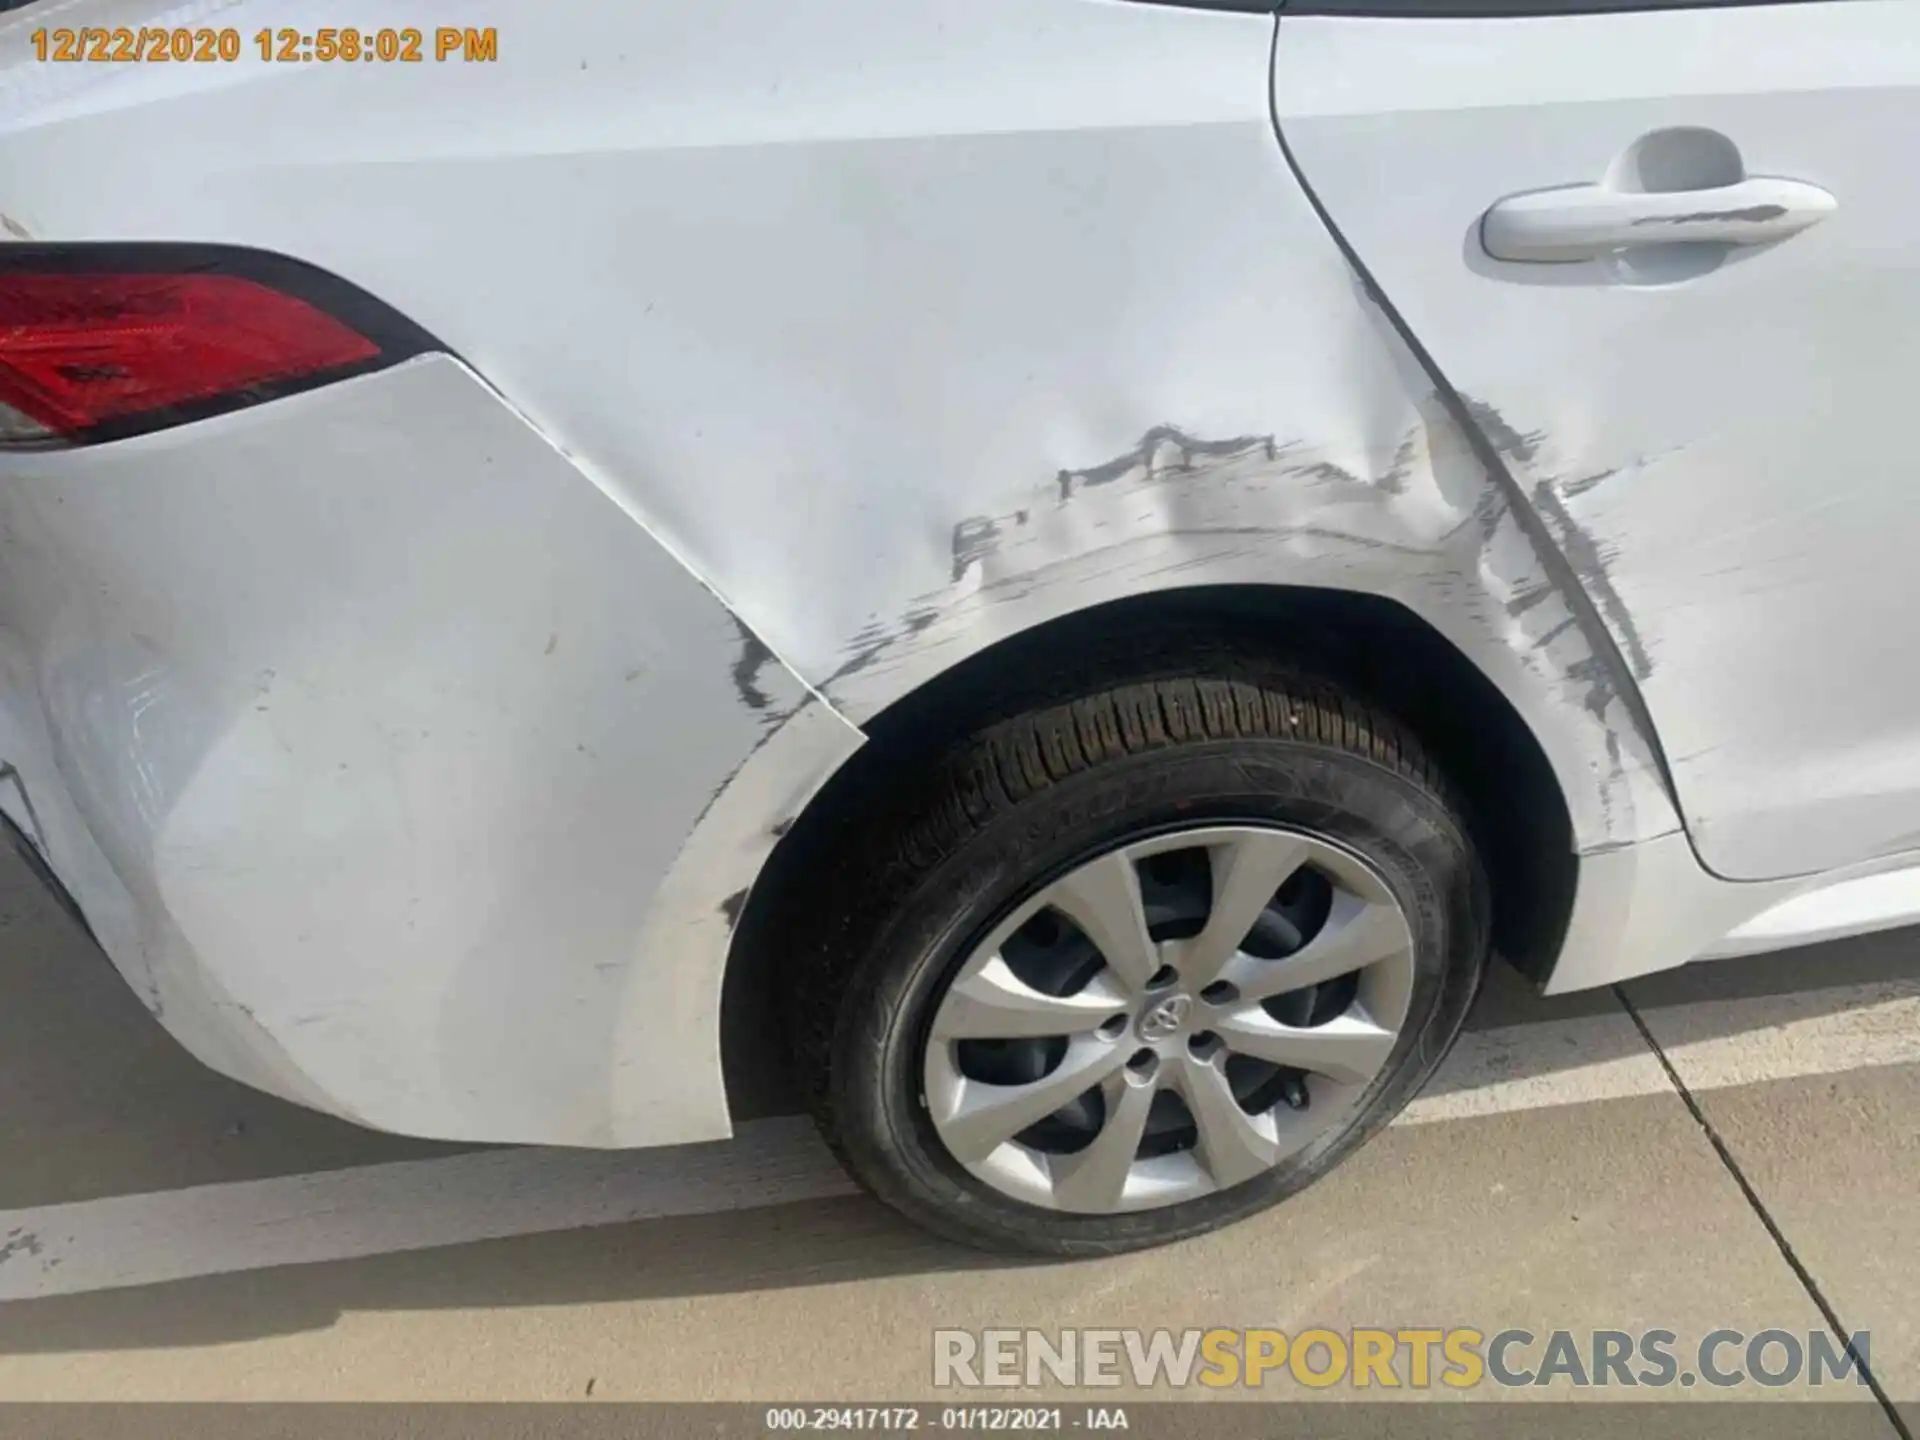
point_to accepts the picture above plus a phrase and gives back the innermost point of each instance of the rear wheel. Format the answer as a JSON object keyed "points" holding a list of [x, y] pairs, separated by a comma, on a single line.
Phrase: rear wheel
{"points": [[1134, 966]]}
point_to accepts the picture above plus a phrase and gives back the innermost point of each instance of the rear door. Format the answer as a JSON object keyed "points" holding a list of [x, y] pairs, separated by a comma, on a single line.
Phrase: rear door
{"points": [[1669, 257]]}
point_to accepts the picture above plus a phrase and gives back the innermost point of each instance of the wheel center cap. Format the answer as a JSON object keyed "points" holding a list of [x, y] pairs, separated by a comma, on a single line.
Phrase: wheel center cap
{"points": [[1163, 1021]]}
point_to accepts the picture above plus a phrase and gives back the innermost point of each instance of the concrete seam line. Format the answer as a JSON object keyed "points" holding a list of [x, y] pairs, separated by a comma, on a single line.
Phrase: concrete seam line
{"points": [[1759, 1208]]}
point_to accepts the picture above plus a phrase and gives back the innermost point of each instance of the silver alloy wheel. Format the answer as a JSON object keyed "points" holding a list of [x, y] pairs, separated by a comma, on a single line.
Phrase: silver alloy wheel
{"points": [[1141, 1051]]}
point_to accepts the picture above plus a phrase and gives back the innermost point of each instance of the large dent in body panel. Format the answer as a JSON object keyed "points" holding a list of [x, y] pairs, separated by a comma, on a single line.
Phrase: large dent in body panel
{"points": [[1409, 514]]}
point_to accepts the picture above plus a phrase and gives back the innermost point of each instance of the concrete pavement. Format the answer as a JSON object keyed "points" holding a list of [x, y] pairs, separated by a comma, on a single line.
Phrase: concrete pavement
{"points": [[165, 1234]]}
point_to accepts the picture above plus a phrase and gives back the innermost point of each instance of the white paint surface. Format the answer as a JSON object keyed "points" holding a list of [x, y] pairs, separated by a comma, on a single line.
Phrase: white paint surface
{"points": [[380, 1209], [1714, 434], [1851, 907]]}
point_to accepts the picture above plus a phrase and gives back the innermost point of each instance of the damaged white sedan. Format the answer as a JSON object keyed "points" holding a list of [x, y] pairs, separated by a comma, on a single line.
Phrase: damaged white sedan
{"points": [[1048, 579]]}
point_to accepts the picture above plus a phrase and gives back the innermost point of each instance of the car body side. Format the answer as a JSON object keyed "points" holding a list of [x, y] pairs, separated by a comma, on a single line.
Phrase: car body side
{"points": [[414, 744]]}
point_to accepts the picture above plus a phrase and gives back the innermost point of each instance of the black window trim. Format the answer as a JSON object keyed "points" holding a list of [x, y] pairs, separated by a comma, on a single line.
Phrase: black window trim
{"points": [[1465, 9], [1511, 10]]}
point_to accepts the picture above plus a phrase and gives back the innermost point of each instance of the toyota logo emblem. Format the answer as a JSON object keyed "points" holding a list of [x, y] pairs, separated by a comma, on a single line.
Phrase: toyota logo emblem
{"points": [[1166, 1018]]}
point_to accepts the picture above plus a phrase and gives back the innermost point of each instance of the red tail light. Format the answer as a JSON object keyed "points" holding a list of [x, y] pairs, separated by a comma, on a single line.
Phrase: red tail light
{"points": [[89, 351]]}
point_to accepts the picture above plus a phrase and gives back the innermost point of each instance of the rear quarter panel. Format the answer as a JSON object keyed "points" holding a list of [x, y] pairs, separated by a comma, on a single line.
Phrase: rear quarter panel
{"points": [[903, 325]]}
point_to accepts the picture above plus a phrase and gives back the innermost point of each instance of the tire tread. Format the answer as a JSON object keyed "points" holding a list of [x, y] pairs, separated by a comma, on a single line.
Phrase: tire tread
{"points": [[1221, 696]]}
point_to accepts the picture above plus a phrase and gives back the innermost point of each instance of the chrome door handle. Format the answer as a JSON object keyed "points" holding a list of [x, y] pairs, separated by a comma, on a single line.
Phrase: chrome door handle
{"points": [[1583, 222]]}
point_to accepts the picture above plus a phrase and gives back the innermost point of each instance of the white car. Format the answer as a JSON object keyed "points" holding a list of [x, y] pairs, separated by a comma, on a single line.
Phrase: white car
{"points": [[1072, 567]]}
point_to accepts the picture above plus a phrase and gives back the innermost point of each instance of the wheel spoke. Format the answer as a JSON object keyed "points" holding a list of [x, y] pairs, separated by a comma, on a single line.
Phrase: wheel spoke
{"points": [[1206, 1005], [1234, 1145], [1358, 933], [1094, 1179], [1103, 899], [983, 1117], [993, 1003], [1246, 873], [1349, 1048]]}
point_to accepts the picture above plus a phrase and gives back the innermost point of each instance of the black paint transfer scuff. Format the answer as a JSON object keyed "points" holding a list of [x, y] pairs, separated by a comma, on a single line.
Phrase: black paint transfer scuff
{"points": [[1504, 438], [1587, 482], [1490, 435], [1158, 441], [1594, 673], [1536, 594], [754, 656], [1590, 561], [1394, 482], [973, 538], [1752, 214], [1547, 637], [1164, 453], [874, 639]]}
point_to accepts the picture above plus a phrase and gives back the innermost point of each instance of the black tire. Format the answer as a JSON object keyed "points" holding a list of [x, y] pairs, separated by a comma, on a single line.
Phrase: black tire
{"points": [[1233, 739]]}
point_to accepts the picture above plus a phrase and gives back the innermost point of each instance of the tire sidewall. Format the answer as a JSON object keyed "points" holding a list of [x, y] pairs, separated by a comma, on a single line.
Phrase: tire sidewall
{"points": [[882, 1124]]}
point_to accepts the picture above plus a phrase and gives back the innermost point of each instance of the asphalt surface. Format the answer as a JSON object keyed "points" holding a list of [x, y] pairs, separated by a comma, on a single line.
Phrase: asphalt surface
{"points": [[1732, 1146]]}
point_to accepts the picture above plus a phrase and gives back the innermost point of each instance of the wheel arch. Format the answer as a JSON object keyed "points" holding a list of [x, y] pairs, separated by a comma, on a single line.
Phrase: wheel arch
{"points": [[1376, 646]]}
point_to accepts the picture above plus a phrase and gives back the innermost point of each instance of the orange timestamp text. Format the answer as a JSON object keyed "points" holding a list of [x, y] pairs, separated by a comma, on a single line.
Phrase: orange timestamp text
{"points": [[183, 45]]}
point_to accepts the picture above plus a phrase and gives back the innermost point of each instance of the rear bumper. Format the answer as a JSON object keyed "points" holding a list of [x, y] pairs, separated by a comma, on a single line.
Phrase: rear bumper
{"points": [[401, 771]]}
